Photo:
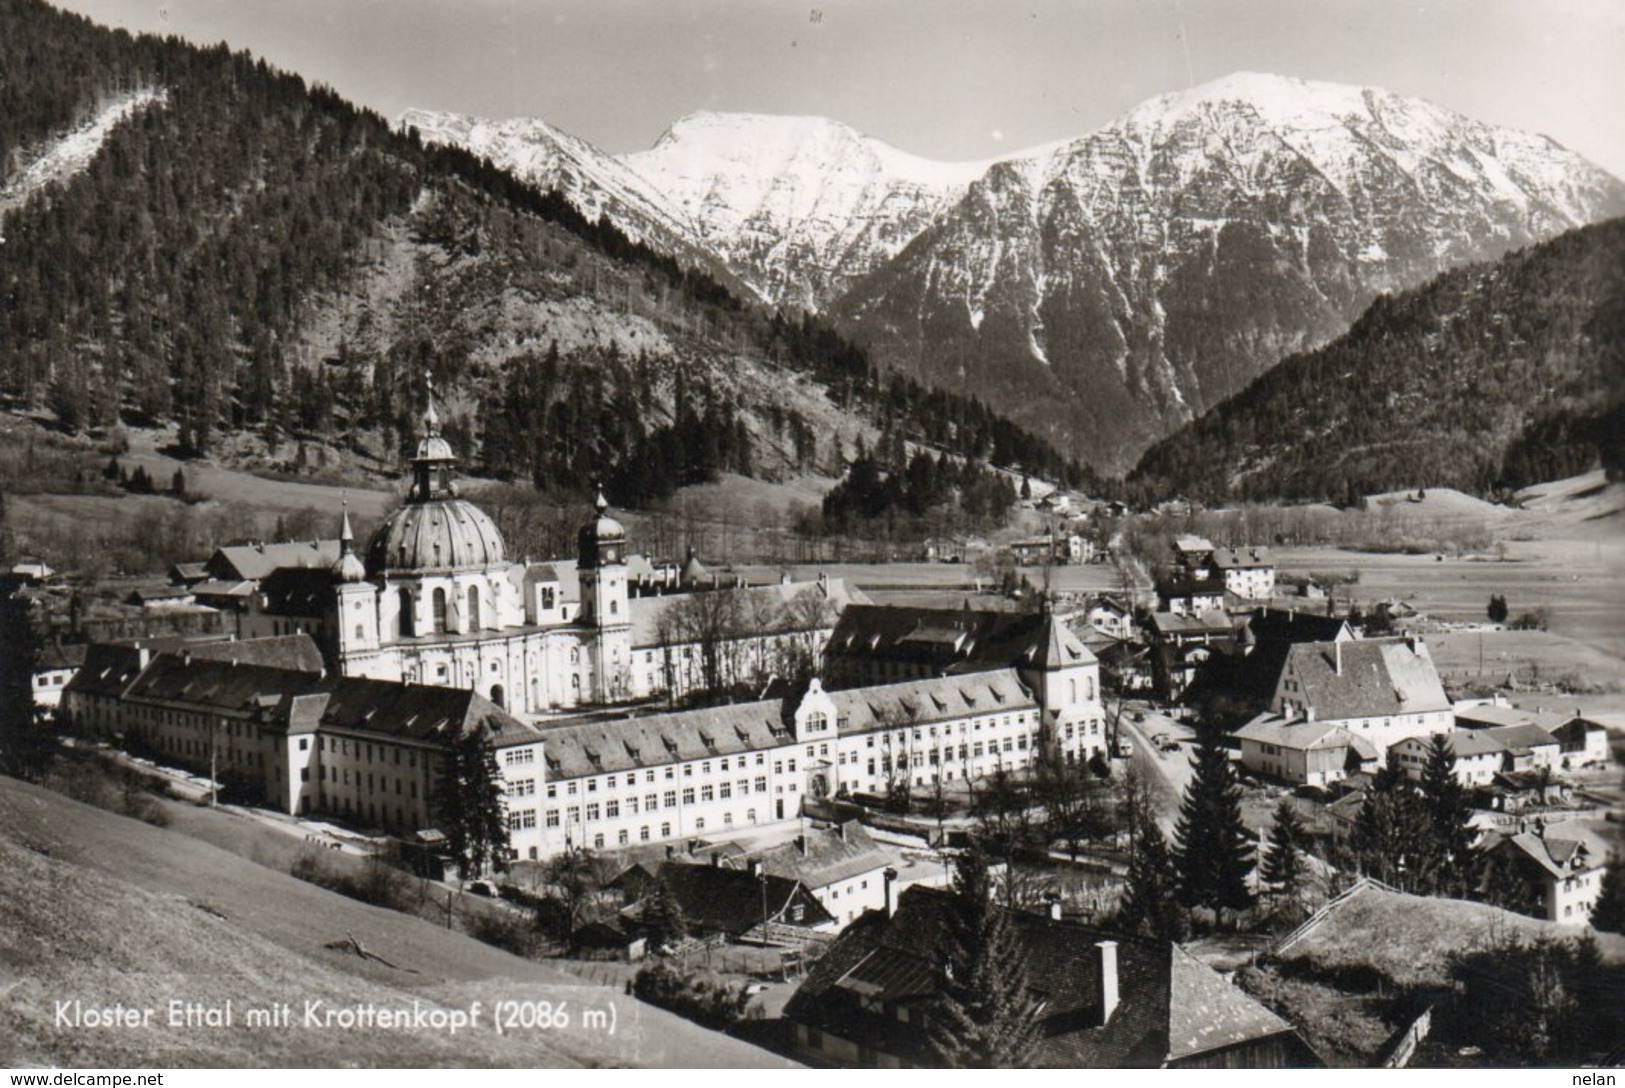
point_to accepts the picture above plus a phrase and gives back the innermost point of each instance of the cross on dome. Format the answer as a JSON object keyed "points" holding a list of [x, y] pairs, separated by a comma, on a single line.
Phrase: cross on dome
{"points": [[431, 418]]}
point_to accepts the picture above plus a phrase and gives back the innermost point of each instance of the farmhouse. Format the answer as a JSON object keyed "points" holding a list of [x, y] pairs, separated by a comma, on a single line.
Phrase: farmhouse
{"points": [[1248, 573], [1104, 1001], [1304, 753], [1565, 863], [1479, 757], [1382, 690]]}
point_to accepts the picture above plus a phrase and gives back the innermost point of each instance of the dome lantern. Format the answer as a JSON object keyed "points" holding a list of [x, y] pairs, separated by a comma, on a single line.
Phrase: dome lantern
{"points": [[602, 540], [434, 530]]}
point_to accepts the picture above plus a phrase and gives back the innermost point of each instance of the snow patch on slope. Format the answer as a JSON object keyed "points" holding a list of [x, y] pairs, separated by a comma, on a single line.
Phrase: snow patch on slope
{"points": [[66, 156]]}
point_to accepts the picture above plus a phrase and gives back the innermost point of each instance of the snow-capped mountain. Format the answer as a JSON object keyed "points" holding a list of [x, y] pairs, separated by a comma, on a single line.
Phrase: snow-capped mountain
{"points": [[797, 207], [800, 206], [596, 183], [1115, 286]]}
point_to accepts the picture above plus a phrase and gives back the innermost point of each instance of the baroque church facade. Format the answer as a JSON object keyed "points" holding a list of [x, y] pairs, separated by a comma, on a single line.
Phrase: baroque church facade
{"points": [[434, 599]]}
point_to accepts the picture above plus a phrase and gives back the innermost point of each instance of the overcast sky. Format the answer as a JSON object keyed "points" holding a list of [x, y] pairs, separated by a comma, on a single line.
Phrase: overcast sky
{"points": [[944, 78]]}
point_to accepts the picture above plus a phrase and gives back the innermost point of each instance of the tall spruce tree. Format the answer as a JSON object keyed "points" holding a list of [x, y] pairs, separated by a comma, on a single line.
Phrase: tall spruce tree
{"points": [[1454, 862], [1150, 906], [469, 807], [984, 1020], [663, 918], [1283, 867], [1608, 914], [1393, 835], [1213, 853]]}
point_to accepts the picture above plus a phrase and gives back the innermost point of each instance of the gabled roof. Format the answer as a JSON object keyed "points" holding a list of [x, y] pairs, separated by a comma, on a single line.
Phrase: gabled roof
{"points": [[254, 561], [819, 858], [1526, 736], [585, 747], [755, 600], [1490, 715], [108, 669], [420, 712], [1242, 558], [220, 686], [1171, 1006], [716, 898], [1300, 735], [580, 749], [1463, 743], [1558, 851], [298, 591], [55, 655], [1214, 621], [1364, 678], [1290, 625], [955, 640]]}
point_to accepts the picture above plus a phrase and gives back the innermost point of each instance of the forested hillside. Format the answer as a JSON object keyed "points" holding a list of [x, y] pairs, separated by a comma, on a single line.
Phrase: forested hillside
{"points": [[1492, 376], [245, 253]]}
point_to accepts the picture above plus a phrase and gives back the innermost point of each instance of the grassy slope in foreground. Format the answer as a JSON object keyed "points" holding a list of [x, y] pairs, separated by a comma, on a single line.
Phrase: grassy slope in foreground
{"points": [[107, 909]]}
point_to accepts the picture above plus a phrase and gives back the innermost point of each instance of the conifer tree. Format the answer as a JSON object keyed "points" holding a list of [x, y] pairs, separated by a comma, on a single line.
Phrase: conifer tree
{"points": [[469, 807], [1609, 912], [985, 1019], [663, 918], [1283, 866], [1150, 906], [1393, 835], [1449, 810], [1213, 852]]}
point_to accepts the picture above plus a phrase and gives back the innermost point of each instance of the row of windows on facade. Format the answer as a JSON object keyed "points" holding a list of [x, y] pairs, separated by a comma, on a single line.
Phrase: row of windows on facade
{"points": [[965, 750], [362, 750], [340, 776], [520, 822]]}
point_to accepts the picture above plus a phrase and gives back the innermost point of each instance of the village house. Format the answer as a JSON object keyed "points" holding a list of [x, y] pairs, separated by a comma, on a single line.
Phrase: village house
{"points": [[1188, 595], [1479, 757], [1182, 644], [1564, 862], [1193, 555], [744, 904], [1111, 616], [1103, 1000], [841, 866], [1303, 753], [1528, 747], [1248, 573], [1381, 690], [1580, 741], [55, 667]]}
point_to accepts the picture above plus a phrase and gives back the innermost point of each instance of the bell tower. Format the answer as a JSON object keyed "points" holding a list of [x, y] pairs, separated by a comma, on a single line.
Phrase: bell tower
{"points": [[601, 567]]}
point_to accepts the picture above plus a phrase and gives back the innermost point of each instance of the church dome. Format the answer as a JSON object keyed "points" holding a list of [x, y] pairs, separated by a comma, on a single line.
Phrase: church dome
{"points": [[440, 535]]}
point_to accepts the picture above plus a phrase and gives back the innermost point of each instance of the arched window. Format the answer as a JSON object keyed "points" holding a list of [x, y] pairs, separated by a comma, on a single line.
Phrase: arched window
{"points": [[473, 608], [407, 627], [439, 610], [497, 694]]}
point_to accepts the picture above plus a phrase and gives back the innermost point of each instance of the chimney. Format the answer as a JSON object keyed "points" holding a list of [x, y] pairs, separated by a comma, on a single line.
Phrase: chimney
{"points": [[890, 877], [1308, 713], [1055, 908], [823, 583], [1337, 658], [671, 851], [801, 845], [755, 868], [840, 829], [716, 859], [1108, 979]]}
